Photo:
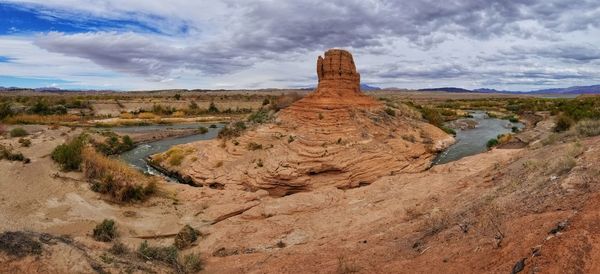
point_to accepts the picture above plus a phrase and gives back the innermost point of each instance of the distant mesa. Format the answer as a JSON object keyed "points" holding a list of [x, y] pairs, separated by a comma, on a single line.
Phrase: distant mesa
{"points": [[335, 136]]}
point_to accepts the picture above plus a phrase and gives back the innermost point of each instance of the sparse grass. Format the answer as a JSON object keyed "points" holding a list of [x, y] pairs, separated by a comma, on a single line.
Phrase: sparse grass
{"points": [[562, 165], [175, 156], [436, 221], [158, 253], [345, 266], [115, 178], [18, 132], [192, 263], [105, 231], [588, 128]]}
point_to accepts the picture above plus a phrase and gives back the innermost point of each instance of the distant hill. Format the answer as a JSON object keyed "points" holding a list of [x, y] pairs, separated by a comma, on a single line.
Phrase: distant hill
{"points": [[594, 89], [446, 89], [365, 87]]}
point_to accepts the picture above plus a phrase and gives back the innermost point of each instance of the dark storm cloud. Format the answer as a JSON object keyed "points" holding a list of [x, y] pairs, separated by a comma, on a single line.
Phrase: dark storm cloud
{"points": [[135, 54], [267, 30]]}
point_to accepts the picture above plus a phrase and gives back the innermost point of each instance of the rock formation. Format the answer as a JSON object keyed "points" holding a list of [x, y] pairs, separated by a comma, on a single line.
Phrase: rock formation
{"points": [[334, 136]]}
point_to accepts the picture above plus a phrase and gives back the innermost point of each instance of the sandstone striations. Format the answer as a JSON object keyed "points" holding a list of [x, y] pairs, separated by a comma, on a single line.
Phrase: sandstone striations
{"points": [[335, 136]]}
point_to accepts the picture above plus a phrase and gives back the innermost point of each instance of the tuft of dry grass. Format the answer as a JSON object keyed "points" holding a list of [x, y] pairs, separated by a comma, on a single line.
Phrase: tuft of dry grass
{"points": [[115, 178], [42, 119], [588, 128]]}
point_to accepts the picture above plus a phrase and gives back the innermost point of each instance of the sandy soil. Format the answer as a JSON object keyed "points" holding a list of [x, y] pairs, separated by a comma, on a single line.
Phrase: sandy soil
{"points": [[480, 214]]}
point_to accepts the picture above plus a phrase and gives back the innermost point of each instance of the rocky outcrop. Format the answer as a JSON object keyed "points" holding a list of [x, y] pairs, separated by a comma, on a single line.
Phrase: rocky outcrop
{"points": [[335, 136]]}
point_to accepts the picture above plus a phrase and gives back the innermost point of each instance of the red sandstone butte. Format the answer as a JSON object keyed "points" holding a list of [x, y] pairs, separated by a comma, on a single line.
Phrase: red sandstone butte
{"points": [[334, 136]]}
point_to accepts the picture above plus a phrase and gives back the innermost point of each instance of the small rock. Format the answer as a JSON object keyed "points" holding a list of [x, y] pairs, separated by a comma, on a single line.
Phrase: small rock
{"points": [[559, 227], [536, 250], [519, 266]]}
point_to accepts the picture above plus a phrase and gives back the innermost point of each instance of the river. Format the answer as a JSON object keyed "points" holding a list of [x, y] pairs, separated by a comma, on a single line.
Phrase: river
{"points": [[137, 156], [473, 141]]}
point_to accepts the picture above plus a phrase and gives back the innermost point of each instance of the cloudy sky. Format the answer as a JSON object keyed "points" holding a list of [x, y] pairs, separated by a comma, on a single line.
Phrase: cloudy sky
{"points": [[156, 44]]}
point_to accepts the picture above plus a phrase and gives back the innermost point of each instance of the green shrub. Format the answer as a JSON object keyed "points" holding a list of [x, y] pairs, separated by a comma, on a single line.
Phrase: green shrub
{"points": [[448, 130], [68, 155], [563, 123], [492, 143], [18, 132], [105, 231]]}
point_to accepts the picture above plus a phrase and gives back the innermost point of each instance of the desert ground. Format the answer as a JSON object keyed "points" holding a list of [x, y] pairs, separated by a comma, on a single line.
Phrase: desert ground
{"points": [[311, 183]]}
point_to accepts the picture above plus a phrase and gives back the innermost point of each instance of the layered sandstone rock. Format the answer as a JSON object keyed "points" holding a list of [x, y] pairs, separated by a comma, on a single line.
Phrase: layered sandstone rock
{"points": [[335, 136]]}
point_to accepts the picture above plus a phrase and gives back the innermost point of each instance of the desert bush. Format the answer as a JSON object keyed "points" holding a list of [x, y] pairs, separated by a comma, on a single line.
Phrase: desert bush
{"points": [[285, 100], [232, 130], [6, 153], [118, 248], [105, 231], [68, 155], [266, 101], [588, 128], [115, 178], [563, 123], [254, 146], [19, 244], [113, 144], [25, 142], [212, 108], [18, 132], [260, 116], [390, 111], [185, 237], [202, 130], [432, 116], [147, 116], [5, 110]]}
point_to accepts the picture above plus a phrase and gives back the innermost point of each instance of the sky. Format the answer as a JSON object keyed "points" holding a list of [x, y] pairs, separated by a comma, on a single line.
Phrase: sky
{"points": [[155, 44]]}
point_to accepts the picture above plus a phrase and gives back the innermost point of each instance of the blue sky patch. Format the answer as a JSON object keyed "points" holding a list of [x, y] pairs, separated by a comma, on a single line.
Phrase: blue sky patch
{"points": [[4, 59], [26, 82], [18, 19]]}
